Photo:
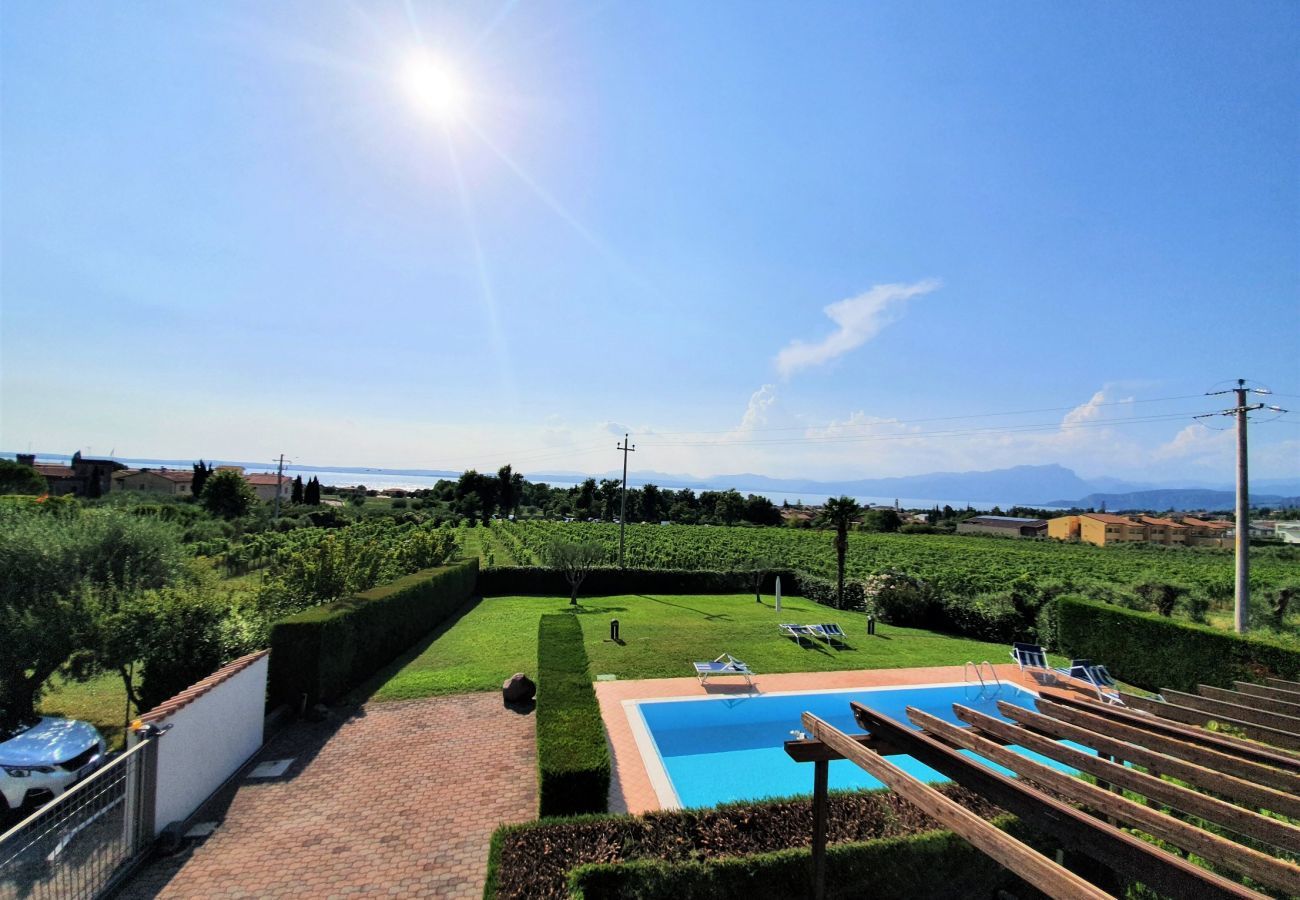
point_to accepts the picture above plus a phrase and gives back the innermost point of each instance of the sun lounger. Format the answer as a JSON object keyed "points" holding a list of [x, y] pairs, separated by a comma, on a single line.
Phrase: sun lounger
{"points": [[1032, 658], [828, 631], [1097, 676], [726, 664], [798, 632]]}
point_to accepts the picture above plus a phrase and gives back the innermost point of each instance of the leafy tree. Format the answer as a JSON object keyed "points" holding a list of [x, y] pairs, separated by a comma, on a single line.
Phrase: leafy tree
{"points": [[228, 495], [729, 507], [53, 566], [201, 473], [16, 478], [1160, 595], [883, 519], [652, 504], [840, 512], [311, 493], [761, 511], [1280, 602], [475, 492], [296, 491], [509, 489], [576, 559], [609, 491]]}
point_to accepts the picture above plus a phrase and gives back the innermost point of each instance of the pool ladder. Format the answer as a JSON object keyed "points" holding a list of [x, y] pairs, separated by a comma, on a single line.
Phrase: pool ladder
{"points": [[978, 669]]}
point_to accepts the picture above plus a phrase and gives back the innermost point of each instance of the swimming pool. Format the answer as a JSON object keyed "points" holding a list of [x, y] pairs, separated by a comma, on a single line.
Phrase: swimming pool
{"points": [[702, 751]]}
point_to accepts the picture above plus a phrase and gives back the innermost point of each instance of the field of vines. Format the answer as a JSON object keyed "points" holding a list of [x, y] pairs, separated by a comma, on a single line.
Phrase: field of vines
{"points": [[964, 564]]}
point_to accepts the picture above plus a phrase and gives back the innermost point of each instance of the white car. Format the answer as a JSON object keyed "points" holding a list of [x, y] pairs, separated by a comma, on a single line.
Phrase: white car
{"points": [[41, 760]]}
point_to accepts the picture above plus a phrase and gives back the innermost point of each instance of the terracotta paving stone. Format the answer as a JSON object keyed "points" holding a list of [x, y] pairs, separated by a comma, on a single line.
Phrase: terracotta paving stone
{"points": [[630, 789], [395, 799]]}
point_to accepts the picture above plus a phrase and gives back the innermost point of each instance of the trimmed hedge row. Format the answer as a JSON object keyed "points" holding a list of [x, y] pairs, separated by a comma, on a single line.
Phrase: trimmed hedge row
{"points": [[573, 764], [1155, 652], [936, 864], [322, 652], [543, 581]]}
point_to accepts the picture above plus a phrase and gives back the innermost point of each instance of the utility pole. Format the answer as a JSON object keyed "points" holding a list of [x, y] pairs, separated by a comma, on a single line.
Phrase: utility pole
{"points": [[622, 510], [1241, 592], [279, 478]]}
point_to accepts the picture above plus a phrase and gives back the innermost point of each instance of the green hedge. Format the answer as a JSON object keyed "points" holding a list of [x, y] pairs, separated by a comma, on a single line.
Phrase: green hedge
{"points": [[935, 864], [513, 581], [573, 765], [327, 650], [1155, 652]]}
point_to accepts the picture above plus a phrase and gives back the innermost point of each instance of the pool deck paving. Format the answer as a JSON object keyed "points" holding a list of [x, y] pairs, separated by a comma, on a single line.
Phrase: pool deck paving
{"points": [[387, 798], [631, 789]]}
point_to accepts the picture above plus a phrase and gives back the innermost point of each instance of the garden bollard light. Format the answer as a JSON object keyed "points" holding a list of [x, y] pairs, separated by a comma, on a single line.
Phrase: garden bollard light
{"points": [[613, 630], [871, 624]]}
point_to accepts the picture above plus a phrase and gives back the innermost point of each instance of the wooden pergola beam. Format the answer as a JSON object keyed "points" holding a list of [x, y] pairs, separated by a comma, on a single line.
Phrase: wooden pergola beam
{"points": [[1253, 701], [1255, 772], [1049, 877], [1273, 720], [1266, 869], [1207, 711], [1200, 776], [1131, 857], [1242, 821], [1283, 684], [1261, 690], [1224, 743]]}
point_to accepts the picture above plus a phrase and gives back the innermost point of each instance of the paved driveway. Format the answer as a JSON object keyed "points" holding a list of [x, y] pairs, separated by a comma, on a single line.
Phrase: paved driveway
{"points": [[390, 798]]}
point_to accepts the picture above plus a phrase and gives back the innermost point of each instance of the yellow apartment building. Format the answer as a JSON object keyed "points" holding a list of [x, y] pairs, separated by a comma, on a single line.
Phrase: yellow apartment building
{"points": [[1165, 531], [1101, 529]]}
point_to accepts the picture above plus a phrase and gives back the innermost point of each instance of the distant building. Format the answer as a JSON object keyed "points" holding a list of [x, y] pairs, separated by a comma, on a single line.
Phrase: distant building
{"points": [[264, 485], [82, 478], [1007, 526], [1101, 529], [1164, 531], [1289, 532], [170, 482], [1208, 532]]}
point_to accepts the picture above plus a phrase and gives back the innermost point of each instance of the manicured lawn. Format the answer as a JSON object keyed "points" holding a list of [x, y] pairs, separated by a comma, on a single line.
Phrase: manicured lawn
{"points": [[497, 636], [101, 701]]}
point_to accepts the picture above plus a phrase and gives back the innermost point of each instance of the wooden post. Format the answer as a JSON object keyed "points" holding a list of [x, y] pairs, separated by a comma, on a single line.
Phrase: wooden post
{"points": [[821, 778]]}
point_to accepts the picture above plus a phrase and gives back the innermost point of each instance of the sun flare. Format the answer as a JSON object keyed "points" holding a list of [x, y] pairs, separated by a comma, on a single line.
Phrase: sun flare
{"points": [[434, 87]]}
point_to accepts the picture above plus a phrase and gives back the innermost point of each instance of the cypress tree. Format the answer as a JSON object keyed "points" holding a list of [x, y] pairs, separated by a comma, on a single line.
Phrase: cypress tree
{"points": [[295, 495]]}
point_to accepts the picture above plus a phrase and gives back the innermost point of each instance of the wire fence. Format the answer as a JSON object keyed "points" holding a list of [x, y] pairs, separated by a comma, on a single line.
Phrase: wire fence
{"points": [[85, 842]]}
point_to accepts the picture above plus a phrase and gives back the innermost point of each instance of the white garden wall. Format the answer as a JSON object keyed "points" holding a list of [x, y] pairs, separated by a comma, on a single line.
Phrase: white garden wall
{"points": [[216, 728]]}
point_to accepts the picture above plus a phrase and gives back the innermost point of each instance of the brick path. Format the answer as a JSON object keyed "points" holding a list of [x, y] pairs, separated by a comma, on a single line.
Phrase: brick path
{"points": [[389, 798]]}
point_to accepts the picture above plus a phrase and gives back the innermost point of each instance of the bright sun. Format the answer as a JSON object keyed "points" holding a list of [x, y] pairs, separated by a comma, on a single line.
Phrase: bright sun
{"points": [[434, 87]]}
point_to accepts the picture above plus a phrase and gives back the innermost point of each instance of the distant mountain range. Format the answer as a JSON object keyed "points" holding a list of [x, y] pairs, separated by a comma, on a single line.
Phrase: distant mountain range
{"points": [[1019, 485], [1185, 499]]}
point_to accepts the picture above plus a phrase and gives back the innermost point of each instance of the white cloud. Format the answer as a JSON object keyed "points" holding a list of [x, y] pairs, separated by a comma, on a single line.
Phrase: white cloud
{"points": [[859, 319], [1200, 444], [759, 403]]}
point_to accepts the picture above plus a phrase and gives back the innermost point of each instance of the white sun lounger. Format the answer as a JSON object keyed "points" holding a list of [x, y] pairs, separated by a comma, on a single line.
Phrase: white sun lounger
{"points": [[828, 631], [726, 664], [798, 632]]}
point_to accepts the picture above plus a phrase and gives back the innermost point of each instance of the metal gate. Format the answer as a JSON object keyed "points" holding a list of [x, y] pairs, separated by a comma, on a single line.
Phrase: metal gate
{"points": [[89, 839]]}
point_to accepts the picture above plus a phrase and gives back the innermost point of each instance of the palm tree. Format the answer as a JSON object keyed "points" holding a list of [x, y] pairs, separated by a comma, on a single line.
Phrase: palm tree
{"points": [[840, 512]]}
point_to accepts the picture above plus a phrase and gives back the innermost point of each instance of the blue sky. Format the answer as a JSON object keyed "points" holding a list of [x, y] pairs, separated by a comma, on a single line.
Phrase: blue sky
{"points": [[765, 237]]}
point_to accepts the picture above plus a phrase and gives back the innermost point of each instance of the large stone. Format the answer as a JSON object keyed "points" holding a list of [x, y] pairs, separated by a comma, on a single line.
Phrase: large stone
{"points": [[518, 688]]}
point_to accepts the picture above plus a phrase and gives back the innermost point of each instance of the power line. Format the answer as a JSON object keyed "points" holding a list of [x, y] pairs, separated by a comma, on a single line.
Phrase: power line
{"points": [[984, 415], [852, 439]]}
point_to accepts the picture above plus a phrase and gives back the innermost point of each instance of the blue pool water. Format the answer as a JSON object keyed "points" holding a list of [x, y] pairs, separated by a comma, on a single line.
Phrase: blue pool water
{"points": [[721, 749]]}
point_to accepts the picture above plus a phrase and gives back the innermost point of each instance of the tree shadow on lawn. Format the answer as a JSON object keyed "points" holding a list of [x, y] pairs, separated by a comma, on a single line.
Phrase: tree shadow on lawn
{"points": [[708, 615]]}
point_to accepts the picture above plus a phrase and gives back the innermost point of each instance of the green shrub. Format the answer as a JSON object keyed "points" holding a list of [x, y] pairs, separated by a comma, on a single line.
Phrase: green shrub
{"points": [[572, 756], [329, 649], [935, 864], [985, 617], [1155, 652]]}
